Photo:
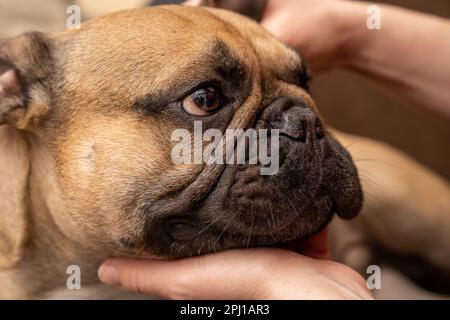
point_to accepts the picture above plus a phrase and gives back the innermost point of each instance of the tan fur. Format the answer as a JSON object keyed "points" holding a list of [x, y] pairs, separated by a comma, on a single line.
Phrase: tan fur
{"points": [[66, 179], [67, 171], [14, 176]]}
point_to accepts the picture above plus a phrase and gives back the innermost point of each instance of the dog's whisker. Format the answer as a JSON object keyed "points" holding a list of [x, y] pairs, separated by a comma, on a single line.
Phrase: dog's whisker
{"points": [[273, 221], [250, 232], [208, 226], [220, 235], [353, 141], [302, 196], [372, 196], [224, 230], [373, 160], [292, 205], [367, 178]]}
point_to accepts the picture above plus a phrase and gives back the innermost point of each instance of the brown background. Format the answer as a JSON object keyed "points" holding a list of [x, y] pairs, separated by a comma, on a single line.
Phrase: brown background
{"points": [[351, 103], [348, 101]]}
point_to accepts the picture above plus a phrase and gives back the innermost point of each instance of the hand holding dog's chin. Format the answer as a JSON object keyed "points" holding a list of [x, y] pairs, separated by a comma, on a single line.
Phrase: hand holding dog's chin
{"points": [[239, 274]]}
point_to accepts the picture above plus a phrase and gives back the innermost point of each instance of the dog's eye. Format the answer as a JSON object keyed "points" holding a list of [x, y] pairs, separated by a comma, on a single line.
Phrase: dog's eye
{"points": [[203, 102]]}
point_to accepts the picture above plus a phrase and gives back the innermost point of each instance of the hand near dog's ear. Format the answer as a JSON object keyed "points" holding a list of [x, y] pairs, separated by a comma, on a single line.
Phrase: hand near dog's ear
{"points": [[250, 8], [24, 69], [200, 3], [298, 23]]}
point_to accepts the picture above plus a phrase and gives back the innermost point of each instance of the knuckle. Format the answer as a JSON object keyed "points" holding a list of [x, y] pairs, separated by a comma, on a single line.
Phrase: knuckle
{"points": [[181, 286], [133, 278]]}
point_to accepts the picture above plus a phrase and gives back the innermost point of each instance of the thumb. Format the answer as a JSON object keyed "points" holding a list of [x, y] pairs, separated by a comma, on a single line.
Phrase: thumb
{"points": [[233, 274], [276, 25]]}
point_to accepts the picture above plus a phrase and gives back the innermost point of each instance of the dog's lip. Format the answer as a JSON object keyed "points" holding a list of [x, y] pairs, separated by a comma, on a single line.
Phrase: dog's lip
{"points": [[346, 215], [348, 212]]}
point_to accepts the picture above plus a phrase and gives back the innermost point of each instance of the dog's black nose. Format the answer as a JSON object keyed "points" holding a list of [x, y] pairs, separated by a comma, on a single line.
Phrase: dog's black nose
{"points": [[294, 119], [301, 123]]}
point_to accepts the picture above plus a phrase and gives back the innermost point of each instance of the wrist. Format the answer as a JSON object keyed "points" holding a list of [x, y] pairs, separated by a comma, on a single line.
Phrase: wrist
{"points": [[351, 24]]}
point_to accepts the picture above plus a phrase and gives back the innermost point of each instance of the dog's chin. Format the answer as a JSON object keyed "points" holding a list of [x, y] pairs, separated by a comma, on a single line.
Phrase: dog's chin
{"points": [[189, 239], [245, 210]]}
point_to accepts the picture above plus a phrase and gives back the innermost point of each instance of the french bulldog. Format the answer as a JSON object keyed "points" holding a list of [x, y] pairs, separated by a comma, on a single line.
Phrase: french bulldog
{"points": [[85, 163]]}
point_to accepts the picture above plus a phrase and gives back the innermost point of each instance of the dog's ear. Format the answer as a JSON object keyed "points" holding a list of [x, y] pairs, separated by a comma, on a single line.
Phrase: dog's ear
{"points": [[25, 68], [14, 170]]}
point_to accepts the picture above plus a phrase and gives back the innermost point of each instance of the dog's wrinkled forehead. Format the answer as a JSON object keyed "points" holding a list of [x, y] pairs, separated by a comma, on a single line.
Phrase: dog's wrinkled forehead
{"points": [[149, 49], [274, 57], [174, 47]]}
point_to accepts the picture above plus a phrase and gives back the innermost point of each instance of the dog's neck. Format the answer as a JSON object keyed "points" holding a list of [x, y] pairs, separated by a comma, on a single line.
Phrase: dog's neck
{"points": [[47, 252]]}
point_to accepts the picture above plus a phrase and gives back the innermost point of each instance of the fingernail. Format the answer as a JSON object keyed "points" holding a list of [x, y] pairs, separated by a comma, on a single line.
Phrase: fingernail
{"points": [[109, 274]]}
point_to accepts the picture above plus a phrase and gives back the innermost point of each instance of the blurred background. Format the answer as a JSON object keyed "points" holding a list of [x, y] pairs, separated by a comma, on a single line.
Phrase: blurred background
{"points": [[346, 100]]}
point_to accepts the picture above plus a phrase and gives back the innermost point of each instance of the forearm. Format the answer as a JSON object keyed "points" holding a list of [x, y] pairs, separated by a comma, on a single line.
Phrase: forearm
{"points": [[410, 55]]}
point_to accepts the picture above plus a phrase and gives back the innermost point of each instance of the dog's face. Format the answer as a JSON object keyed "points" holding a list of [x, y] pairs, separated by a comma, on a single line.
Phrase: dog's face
{"points": [[115, 91]]}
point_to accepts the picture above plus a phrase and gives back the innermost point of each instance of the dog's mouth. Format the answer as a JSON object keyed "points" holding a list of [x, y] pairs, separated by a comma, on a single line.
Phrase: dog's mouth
{"points": [[247, 210], [316, 178], [184, 238]]}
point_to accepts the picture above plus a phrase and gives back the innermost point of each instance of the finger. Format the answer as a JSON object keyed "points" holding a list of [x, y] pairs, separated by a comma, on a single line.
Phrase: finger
{"points": [[193, 3], [232, 274], [275, 26]]}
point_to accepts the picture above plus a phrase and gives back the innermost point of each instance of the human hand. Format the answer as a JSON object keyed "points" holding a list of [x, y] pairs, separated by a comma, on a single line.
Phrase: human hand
{"points": [[240, 274], [321, 30], [318, 29]]}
